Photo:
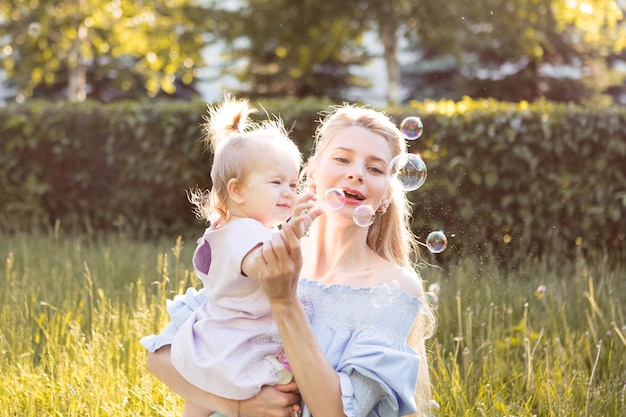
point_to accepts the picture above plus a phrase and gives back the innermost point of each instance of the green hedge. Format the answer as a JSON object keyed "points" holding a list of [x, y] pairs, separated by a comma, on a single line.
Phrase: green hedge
{"points": [[122, 165], [514, 178], [94, 166], [524, 178]]}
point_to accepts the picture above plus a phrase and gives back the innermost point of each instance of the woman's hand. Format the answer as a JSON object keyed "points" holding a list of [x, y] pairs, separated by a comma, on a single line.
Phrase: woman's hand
{"points": [[281, 259], [276, 401], [279, 265]]}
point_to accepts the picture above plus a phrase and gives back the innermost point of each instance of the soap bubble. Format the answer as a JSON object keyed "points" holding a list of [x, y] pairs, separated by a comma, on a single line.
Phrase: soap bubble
{"points": [[364, 215], [34, 29], [410, 170], [412, 127], [383, 295], [334, 198], [436, 242], [540, 291]]}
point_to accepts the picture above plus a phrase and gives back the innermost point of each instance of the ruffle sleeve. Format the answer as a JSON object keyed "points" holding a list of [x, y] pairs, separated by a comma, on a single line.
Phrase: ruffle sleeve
{"points": [[179, 309], [378, 378]]}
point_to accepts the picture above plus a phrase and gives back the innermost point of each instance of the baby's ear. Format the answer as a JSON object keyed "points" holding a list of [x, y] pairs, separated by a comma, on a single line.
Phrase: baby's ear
{"points": [[234, 191]]}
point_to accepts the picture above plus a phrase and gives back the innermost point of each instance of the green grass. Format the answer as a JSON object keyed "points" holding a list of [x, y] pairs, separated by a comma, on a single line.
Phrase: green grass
{"points": [[72, 311], [505, 349]]}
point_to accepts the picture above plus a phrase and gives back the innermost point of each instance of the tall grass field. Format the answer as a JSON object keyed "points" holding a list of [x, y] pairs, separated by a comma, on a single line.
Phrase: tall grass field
{"points": [[543, 338]]}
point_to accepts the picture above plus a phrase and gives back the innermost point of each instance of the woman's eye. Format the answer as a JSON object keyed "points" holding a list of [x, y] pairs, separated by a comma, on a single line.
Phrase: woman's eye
{"points": [[341, 159], [377, 170]]}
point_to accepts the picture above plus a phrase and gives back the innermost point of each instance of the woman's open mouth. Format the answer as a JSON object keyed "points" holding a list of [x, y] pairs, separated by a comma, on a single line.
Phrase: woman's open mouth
{"points": [[353, 196]]}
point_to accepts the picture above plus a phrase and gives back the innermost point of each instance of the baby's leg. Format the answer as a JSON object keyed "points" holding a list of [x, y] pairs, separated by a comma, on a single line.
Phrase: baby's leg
{"points": [[194, 410]]}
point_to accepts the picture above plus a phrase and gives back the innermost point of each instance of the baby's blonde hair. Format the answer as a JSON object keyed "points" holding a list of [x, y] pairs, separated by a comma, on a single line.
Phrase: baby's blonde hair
{"points": [[235, 140], [390, 236]]}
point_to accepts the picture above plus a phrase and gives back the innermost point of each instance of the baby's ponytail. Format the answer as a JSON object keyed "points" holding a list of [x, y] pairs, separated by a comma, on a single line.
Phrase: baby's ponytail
{"points": [[231, 117]]}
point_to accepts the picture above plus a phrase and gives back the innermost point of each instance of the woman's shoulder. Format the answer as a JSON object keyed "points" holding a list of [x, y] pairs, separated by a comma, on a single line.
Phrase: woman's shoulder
{"points": [[408, 280], [403, 278]]}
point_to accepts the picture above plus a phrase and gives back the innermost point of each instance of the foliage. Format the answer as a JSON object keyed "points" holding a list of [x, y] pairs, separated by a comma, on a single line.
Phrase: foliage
{"points": [[120, 47], [391, 21], [530, 176], [73, 308], [506, 49], [93, 166], [513, 50], [294, 48], [124, 165], [526, 175]]}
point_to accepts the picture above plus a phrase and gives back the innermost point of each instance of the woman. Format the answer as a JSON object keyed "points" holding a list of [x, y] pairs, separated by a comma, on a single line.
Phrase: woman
{"points": [[350, 353]]}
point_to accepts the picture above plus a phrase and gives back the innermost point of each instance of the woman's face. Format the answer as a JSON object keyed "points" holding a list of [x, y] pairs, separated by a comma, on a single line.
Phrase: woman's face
{"points": [[356, 161]]}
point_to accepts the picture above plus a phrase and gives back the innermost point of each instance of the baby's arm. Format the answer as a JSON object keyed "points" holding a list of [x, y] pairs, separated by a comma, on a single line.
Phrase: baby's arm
{"points": [[299, 224]]}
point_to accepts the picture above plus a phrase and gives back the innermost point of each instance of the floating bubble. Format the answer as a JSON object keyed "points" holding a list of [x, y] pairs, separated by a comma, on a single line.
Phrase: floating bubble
{"points": [[540, 291], [384, 295], [34, 29], [412, 127], [334, 198], [436, 242], [410, 170], [364, 215]]}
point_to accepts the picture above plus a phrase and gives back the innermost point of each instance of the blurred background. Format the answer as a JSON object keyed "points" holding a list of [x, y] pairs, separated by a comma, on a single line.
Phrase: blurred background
{"points": [[521, 100], [379, 52]]}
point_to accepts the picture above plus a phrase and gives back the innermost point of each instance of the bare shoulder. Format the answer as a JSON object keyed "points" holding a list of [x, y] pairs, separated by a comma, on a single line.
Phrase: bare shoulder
{"points": [[409, 281]]}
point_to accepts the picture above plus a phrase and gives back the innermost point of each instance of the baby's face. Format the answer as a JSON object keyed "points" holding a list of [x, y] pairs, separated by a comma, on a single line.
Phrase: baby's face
{"points": [[269, 188]]}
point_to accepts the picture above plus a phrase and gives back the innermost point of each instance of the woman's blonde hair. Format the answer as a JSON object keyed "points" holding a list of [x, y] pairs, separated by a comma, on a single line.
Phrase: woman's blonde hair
{"points": [[390, 236], [235, 140]]}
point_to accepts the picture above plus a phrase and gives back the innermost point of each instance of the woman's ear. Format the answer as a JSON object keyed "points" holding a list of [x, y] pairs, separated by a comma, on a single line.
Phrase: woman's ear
{"points": [[384, 205], [388, 196], [234, 190]]}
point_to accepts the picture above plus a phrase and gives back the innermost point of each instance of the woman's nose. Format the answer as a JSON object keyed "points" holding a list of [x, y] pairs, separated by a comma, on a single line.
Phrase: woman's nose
{"points": [[355, 175]]}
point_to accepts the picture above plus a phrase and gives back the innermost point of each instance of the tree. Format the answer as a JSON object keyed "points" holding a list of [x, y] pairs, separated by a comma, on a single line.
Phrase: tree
{"points": [[293, 47], [392, 21], [102, 48], [504, 48]]}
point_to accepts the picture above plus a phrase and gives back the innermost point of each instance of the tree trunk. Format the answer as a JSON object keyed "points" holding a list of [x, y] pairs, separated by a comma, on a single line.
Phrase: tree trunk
{"points": [[389, 38], [77, 69]]}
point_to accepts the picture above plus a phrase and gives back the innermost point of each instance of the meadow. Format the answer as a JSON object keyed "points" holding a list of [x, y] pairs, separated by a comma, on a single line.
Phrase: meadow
{"points": [[539, 338]]}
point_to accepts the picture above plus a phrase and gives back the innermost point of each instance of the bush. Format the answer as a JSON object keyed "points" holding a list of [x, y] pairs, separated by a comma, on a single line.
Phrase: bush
{"points": [[523, 178], [122, 165], [518, 177]]}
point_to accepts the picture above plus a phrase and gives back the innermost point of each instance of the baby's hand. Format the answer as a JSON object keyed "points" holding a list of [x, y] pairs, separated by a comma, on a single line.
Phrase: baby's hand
{"points": [[300, 224], [304, 214], [305, 202]]}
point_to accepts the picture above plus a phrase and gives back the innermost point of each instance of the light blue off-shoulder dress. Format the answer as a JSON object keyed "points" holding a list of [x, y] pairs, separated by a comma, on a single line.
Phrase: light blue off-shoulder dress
{"points": [[362, 332]]}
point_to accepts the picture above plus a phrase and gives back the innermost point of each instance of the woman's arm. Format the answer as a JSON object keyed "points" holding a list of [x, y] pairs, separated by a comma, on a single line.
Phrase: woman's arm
{"points": [[270, 402], [317, 381]]}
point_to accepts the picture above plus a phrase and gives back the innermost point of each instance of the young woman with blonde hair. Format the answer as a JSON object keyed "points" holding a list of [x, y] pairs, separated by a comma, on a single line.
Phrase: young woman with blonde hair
{"points": [[347, 300]]}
